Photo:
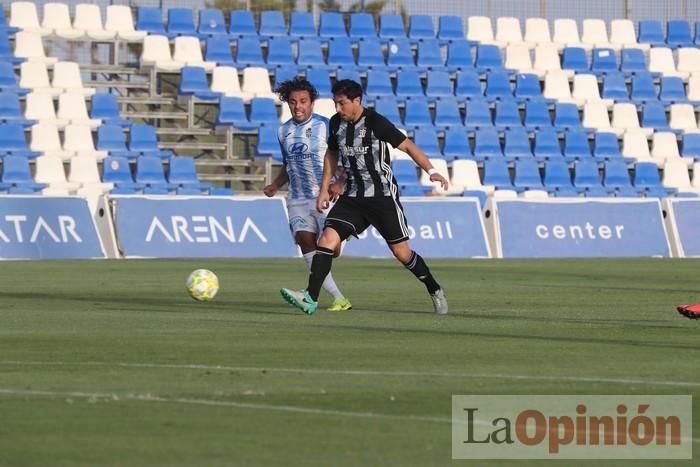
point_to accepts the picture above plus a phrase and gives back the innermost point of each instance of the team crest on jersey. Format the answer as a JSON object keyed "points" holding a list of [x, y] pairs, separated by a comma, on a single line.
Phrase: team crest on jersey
{"points": [[363, 132], [308, 132]]}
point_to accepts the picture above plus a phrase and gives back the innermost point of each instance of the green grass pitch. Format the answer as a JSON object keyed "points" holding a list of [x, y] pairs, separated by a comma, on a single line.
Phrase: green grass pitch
{"points": [[111, 363]]}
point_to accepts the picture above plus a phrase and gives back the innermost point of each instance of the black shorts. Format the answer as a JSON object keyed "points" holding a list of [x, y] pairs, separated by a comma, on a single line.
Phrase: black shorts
{"points": [[351, 216]]}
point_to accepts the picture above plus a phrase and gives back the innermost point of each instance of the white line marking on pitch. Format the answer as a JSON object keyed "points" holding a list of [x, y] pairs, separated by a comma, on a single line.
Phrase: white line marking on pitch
{"points": [[581, 379]]}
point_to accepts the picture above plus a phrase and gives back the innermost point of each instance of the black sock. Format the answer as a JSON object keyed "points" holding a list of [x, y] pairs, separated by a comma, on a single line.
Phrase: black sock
{"points": [[320, 267], [419, 269]]}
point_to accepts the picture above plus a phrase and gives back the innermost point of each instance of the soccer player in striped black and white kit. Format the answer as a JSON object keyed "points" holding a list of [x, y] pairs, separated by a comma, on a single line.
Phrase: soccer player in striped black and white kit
{"points": [[360, 137], [303, 140]]}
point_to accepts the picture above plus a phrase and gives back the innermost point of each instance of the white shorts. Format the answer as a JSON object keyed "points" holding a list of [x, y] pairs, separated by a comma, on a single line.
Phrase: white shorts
{"points": [[303, 216]]}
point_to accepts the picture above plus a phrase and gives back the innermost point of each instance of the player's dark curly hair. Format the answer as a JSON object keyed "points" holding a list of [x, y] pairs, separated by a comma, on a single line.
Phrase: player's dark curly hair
{"points": [[285, 88], [348, 88]]}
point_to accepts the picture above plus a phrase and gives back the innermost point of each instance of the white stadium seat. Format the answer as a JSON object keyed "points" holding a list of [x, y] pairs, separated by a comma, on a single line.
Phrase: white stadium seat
{"points": [[35, 76], [586, 91], [595, 33], [120, 19], [537, 32], [45, 139], [188, 50], [224, 79], [566, 34], [78, 140], [88, 18], [49, 169], [66, 77], [623, 35], [156, 53], [465, 176], [57, 20], [636, 145], [625, 118], [84, 172], [40, 107], [28, 44], [71, 106], [508, 31], [661, 61], [256, 82], [479, 29], [23, 15]]}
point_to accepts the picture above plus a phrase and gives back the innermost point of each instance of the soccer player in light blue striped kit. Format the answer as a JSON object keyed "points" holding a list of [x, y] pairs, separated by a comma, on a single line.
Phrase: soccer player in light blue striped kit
{"points": [[303, 140]]}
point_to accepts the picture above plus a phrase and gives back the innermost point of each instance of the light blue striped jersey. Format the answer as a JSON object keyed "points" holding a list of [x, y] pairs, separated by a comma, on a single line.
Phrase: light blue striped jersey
{"points": [[303, 149]]}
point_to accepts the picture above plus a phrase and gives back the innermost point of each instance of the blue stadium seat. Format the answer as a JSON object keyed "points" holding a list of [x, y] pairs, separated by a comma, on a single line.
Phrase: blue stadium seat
{"points": [[389, 107], [7, 54], [614, 87], [616, 175], [697, 33], [279, 52], [417, 113], [643, 88], [284, 73], [115, 169], [557, 176], [11, 111], [232, 113], [447, 113], [527, 175], [420, 27], [565, 193], [111, 138], [487, 145], [654, 116], [468, 85], [149, 172], [457, 145], [604, 61], [193, 82], [242, 24], [429, 55], [547, 145], [537, 115], [405, 172], [459, 56], [628, 192], [672, 90], [301, 25], [4, 24], [596, 192], [321, 81], [691, 146], [150, 19], [16, 171], [400, 55], [211, 23], [408, 84], [439, 84], [370, 54], [189, 191], [450, 28], [632, 61], [586, 175], [353, 74], [391, 27], [527, 87], [332, 25], [517, 144], [13, 141], [647, 179], [606, 147], [427, 140], [340, 54], [104, 107], [576, 146], [651, 32], [378, 84], [507, 115], [272, 24], [182, 172], [263, 112], [248, 53], [679, 34], [219, 51], [574, 58], [268, 143], [478, 114], [143, 139], [496, 174], [566, 117], [310, 54], [362, 26], [181, 22], [488, 58], [498, 86]]}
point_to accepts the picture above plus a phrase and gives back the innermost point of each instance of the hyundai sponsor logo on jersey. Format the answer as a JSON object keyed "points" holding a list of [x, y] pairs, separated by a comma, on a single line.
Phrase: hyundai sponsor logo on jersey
{"points": [[200, 227], [444, 228], [685, 215], [580, 228], [47, 228]]}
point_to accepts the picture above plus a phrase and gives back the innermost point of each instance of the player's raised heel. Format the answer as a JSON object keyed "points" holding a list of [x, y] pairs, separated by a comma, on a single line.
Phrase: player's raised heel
{"points": [[439, 302], [300, 299], [340, 304]]}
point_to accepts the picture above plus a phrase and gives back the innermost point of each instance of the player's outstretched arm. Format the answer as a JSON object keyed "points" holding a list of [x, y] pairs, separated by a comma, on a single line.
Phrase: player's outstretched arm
{"points": [[277, 183], [421, 159], [330, 162]]}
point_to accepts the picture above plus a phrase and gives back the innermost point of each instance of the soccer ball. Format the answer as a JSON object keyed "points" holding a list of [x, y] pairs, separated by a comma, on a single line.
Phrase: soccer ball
{"points": [[202, 285]]}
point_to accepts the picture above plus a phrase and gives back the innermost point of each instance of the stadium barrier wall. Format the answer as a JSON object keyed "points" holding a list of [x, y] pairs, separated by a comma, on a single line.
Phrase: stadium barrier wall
{"points": [[683, 224], [438, 228], [561, 228], [34, 227]]}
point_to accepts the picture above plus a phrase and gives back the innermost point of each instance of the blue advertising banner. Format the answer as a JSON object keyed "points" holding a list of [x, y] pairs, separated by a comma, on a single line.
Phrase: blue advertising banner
{"points": [[202, 227], [36, 227], [442, 228], [581, 228], [686, 214]]}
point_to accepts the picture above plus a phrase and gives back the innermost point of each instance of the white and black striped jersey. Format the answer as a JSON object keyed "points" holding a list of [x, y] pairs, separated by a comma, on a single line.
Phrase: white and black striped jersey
{"points": [[363, 150]]}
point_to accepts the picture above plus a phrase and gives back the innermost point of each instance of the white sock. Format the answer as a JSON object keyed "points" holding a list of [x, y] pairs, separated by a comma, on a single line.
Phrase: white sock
{"points": [[329, 284]]}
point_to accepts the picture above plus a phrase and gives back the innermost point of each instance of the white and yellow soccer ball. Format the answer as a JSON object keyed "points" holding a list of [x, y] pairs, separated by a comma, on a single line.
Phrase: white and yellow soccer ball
{"points": [[202, 285]]}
